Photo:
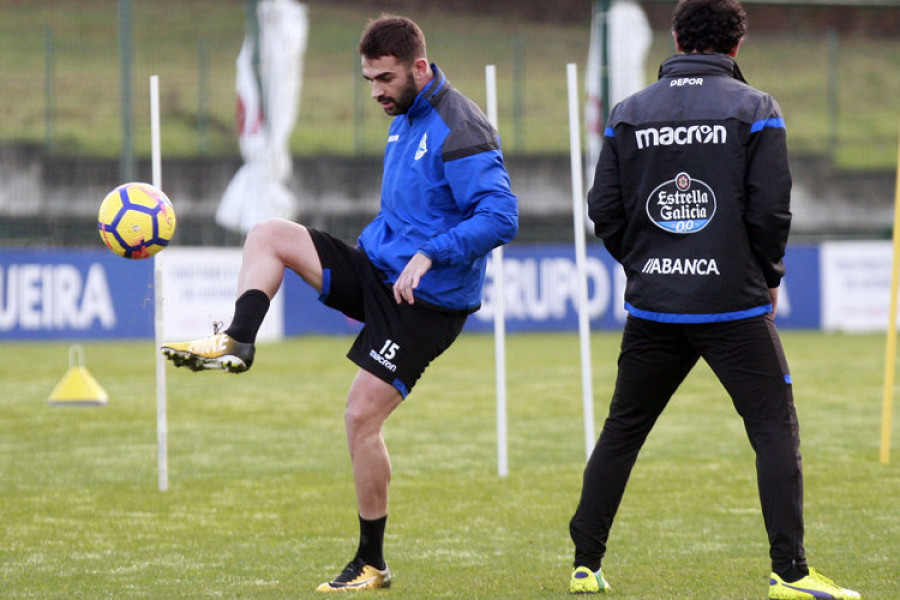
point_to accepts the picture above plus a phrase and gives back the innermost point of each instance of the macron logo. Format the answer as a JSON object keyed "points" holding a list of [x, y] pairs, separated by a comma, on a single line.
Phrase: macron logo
{"points": [[681, 136], [423, 147]]}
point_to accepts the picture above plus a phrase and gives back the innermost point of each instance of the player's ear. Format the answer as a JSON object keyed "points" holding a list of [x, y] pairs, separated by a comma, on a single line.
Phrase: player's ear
{"points": [[420, 68], [677, 44]]}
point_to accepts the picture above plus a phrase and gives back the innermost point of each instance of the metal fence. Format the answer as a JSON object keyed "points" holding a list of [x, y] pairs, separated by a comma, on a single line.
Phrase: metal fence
{"points": [[63, 99]]}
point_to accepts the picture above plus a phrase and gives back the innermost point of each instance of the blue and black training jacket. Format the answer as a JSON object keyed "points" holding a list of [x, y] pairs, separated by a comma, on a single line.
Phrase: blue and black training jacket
{"points": [[445, 193], [692, 194]]}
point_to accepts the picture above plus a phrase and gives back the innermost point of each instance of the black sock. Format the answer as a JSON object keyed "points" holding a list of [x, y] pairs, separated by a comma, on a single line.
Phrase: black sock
{"points": [[795, 573], [371, 542], [249, 311]]}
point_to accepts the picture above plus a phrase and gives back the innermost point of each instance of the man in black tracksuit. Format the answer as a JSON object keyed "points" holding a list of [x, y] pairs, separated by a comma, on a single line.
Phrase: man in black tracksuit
{"points": [[692, 196]]}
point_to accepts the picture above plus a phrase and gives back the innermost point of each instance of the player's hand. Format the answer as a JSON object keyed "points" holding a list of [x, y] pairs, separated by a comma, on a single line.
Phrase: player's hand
{"points": [[773, 294], [409, 278]]}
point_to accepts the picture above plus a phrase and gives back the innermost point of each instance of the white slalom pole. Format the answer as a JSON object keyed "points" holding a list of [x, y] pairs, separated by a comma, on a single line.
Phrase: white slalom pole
{"points": [[162, 427], [584, 326], [490, 75]]}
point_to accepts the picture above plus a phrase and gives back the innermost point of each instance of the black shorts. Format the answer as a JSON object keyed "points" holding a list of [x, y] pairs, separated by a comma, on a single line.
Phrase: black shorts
{"points": [[397, 341]]}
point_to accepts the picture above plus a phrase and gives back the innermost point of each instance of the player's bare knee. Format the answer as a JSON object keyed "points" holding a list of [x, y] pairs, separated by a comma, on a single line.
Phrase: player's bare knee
{"points": [[265, 231], [355, 420], [361, 422], [271, 234], [258, 237]]}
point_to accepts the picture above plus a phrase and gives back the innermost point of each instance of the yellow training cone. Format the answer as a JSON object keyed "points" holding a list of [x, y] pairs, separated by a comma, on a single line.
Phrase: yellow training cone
{"points": [[77, 387]]}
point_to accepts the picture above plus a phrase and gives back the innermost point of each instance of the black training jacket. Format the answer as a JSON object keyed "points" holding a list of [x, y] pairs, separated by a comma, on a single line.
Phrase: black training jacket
{"points": [[692, 194]]}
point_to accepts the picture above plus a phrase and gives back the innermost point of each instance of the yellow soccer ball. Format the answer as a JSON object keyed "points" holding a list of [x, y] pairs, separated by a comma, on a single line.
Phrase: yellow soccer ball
{"points": [[136, 220]]}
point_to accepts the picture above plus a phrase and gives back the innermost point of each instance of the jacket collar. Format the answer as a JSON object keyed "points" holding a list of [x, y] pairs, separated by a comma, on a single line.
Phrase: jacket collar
{"points": [[692, 65], [425, 99]]}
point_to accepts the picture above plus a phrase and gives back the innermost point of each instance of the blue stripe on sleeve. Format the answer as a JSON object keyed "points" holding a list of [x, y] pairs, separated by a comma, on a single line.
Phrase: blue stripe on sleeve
{"points": [[609, 132], [776, 123]]}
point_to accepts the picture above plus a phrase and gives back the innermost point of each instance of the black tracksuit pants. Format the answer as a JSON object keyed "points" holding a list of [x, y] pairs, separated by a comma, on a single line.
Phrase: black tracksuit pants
{"points": [[747, 357]]}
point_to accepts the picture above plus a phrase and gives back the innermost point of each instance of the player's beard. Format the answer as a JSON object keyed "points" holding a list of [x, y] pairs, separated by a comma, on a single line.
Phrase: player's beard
{"points": [[406, 98]]}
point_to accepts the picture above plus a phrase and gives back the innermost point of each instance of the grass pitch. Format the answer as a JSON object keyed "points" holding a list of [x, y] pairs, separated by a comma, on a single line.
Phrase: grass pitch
{"points": [[261, 503]]}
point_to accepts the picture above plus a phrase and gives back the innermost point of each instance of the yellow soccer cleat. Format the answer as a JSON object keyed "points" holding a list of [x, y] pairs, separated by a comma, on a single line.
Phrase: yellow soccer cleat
{"points": [[357, 577], [217, 351], [585, 581], [812, 587]]}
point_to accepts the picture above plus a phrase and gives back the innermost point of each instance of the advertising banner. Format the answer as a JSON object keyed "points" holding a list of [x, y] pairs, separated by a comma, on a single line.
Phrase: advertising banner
{"points": [[69, 294], [541, 293], [92, 294], [800, 295], [199, 287], [856, 285]]}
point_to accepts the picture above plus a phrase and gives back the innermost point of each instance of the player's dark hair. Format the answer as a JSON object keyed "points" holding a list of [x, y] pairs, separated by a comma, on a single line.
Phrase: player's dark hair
{"points": [[709, 25], [389, 35]]}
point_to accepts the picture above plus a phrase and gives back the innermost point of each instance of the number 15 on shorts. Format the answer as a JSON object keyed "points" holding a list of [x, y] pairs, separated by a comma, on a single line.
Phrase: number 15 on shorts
{"points": [[389, 350]]}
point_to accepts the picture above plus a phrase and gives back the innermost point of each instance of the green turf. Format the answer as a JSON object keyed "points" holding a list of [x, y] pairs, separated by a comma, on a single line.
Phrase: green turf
{"points": [[261, 502], [192, 47]]}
